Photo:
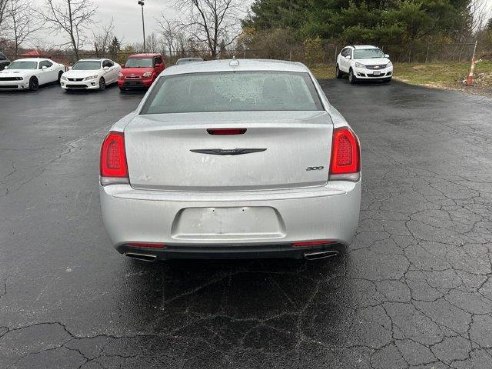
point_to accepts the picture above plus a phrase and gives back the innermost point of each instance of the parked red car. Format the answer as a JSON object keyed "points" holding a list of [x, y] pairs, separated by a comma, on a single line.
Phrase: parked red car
{"points": [[140, 71]]}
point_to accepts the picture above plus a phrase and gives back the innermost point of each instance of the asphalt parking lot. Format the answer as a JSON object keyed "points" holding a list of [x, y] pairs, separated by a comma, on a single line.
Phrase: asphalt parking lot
{"points": [[413, 291]]}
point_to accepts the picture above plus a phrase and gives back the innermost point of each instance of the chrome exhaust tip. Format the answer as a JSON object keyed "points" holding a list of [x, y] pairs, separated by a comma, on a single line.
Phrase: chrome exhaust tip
{"points": [[317, 255], [142, 257]]}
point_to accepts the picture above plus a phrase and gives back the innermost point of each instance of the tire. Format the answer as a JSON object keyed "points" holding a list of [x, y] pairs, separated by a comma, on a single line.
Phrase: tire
{"points": [[122, 90], [59, 76], [33, 84], [102, 84], [338, 72], [352, 78]]}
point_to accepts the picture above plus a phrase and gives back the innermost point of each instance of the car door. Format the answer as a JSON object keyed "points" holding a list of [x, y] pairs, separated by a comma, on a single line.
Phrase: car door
{"points": [[159, 65], [48, 73], [42, 72], [112, 72], [51, 71], [344, 62]]}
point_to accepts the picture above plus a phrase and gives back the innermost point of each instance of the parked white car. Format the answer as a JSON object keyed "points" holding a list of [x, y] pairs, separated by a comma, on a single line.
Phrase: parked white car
{"points": [[30, 73], [364, 62], [91, 74]]}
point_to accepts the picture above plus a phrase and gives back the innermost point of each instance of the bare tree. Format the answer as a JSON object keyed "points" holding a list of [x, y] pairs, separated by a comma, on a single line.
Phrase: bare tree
{"points": [[103, 39], [211, 21], [172, 35], [22, 22], [479, 10], [3, 10], [72, 17], [153, 43]]}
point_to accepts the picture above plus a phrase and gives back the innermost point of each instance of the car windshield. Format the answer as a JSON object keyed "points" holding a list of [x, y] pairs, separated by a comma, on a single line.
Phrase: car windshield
{"points": [[368, 53], [19, 64], [2, 57], [139, 63], [87, 65], [233, 91]]}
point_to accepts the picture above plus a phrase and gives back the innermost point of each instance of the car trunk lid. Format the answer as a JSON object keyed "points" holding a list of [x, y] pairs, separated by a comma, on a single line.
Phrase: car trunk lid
{"points": [[266, 150]]}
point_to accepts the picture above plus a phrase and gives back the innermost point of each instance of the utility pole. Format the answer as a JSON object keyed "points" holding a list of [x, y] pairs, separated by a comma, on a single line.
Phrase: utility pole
{"points": [[142, 3]]}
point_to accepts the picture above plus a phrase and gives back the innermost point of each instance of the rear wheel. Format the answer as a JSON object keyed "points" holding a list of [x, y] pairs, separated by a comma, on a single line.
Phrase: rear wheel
{"points": [[352, 78], [59, 76], [33, 84], [338, 72], [102, 84]]}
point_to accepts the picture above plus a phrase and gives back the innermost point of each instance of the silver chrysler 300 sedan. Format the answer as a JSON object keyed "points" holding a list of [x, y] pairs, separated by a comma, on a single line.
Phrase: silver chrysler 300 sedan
{"points": [[230, 159]]}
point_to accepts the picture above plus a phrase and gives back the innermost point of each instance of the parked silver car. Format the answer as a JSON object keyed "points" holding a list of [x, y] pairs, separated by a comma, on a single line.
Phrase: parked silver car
{"points": [[228, 159]]}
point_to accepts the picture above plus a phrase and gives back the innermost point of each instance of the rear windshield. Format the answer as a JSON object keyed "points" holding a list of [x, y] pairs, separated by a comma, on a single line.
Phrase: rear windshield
{"points": [[2, 57], [233, 91], [87, 65], [139, 63]]}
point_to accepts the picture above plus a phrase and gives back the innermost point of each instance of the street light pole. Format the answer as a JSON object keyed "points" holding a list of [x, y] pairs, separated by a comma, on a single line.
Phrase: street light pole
{"points": [[142, 3]]}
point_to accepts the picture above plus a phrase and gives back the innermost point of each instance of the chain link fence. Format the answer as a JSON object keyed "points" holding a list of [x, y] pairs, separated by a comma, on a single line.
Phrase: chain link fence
{"points": [[319, 52]]}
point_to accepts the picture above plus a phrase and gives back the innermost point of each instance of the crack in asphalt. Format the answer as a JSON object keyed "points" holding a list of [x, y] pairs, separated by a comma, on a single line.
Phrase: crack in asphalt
{"points": [[414, 290]]}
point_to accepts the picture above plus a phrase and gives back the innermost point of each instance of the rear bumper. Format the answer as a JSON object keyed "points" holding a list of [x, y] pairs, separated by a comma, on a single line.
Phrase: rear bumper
{"points": [[321, 213], [267, 251]]}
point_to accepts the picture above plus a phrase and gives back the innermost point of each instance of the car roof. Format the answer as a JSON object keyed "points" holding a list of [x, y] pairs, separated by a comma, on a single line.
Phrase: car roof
{"points": [[225, 65], [365, 47], [32, 59], [98, 60], [191, 58], [147, 55]]}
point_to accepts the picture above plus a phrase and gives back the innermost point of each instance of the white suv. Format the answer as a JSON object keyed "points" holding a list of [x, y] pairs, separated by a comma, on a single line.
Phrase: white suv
{"points": [[364, 62]]}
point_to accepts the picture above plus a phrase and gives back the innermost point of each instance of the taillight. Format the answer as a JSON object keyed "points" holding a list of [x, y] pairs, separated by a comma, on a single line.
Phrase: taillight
{"points": [[345, 155], [147, 245], [114, 168], [226, 131]]}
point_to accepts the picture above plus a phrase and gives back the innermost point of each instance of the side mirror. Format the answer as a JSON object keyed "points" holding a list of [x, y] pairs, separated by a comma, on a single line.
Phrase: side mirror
{"points": [[106, 68], [6, 67], [386, 56], [44, 67], [348, 57]]}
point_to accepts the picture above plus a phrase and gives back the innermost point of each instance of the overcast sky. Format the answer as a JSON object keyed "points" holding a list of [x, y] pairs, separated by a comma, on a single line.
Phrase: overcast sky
{"points": [[127, 17]]}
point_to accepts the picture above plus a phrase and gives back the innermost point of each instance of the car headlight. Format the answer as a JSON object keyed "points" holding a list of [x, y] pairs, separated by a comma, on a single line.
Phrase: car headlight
{"points": [[89, 78], [390, 64], [359, 65], [147, 74], [63, 78]]}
